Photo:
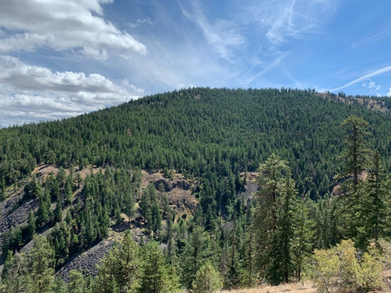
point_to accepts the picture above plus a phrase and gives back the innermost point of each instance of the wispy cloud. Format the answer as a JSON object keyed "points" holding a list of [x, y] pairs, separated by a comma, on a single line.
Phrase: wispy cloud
{"points": [[276, 62], [373, 38], [223, 35], [362, 78], [139, 22], [285, 19], [374, 86]]}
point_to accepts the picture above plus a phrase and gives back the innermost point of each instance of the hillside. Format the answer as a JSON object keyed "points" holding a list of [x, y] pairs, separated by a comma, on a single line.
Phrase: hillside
{"points": [[182, 169], [197, 130]]}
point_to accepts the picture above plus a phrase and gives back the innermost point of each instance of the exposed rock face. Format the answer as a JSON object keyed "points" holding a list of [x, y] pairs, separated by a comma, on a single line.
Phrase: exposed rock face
{"points": [[178, 190], [251, 188], [170, 185], [17, 217], [86, 262], [7, 205]]}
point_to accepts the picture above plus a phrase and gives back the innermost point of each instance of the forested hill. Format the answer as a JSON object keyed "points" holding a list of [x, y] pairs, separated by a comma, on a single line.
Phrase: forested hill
{"points": [[175, 171], [202, 133]]}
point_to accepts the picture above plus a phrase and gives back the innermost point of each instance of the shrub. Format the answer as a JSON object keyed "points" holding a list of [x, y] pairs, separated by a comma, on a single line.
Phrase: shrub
{"points": [[342, 268]]}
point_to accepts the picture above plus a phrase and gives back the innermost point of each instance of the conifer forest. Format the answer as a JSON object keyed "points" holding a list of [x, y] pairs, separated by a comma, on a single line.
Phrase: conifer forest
{"points": [[199, 190]]}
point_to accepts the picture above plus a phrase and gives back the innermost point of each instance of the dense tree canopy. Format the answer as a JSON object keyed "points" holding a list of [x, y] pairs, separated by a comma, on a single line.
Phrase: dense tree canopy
{"points": [[300, 143]]}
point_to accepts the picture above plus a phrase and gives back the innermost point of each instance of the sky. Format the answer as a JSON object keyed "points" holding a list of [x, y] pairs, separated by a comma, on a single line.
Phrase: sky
{"points": [[61, 58]]}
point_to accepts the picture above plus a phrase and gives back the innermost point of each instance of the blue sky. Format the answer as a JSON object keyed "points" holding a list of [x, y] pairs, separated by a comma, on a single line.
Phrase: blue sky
{"points": [[61, 58]]}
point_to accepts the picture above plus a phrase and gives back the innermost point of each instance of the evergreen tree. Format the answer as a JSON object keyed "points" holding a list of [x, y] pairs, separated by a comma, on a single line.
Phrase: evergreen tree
{"points": [[44, 214], [31, 190], [68, 191], [281, 224], [280, 256], [303, 238], [156, 219], [58, 210], [374, 210], [249, 268], [76, 282], [207, 280], [41, 266], [120, 267], [196, 252], [60, 286], [272, 174], [129, 205], [157, 276], [2, 189], [355, 156], [31, 225], [15, 274], [354, 160]]}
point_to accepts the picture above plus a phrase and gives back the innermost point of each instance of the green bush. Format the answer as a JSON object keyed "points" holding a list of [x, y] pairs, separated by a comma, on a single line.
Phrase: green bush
{"points": [[342, 269]]}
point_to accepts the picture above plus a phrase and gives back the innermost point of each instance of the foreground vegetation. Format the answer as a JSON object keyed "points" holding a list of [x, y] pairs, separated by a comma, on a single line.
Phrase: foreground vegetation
{"points": [[289, 230]]}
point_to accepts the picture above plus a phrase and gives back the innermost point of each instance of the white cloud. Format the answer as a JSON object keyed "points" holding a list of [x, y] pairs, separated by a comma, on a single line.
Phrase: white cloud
{"points": [[365, 77], [62, 25], [284, 19], [372, 85], [389, 93], [139, 22], [32, 93]]}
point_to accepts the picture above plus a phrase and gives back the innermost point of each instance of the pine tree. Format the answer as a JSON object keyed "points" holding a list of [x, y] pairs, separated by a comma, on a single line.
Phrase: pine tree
{"points": [[2, 189], [76, 282], [374, 210], [272, 174], [207, 280], [44, 214], [355, 156], [41, 265], [280, 223], [31, 225], [15, 274], [280, 256], [58, 210], [146, 204], [68, 192], [60, 286], [354, 161], [196, 252], [31, 190], [129, 205], [121, 267], [156, 276], [303, 238], [249, 270], [156, 219]]}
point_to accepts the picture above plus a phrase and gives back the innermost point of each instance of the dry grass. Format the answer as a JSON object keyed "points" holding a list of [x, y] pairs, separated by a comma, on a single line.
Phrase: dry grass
{"points": [[46, 169], [302, 287]]}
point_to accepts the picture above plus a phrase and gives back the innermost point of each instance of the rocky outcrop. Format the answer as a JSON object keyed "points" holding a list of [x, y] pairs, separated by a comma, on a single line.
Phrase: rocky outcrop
{"points": [[170, 185], [17, 217], [86, 262], [7, 205]]}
